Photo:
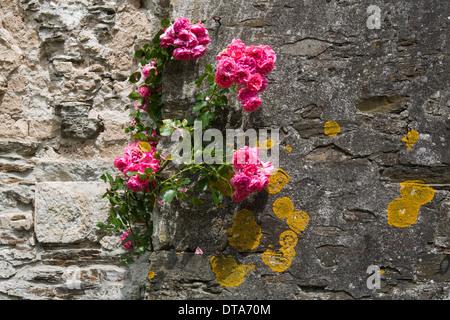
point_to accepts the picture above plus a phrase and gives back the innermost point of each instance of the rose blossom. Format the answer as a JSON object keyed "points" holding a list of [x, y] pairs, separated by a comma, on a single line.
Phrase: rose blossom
{"points": [[180, 24], [145, 91], [254, 82], [250, 174], [246, 94], [182, 53], [127, 245], [227, 67], [223, 80], [252, 104]]}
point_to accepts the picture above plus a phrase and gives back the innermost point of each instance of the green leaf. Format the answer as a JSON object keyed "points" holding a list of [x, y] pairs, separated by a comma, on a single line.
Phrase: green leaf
{"points": [[195, 201], [211, 78], [200, 105], [202, 184], [135, 77], [169, 195], [165, 23], [199, 81], [209, 68], [139, 53], [217, 196], [134, 95]]}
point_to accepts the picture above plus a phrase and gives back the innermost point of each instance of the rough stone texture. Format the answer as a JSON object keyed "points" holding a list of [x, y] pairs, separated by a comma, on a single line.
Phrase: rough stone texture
{"points": [[63, 94]]}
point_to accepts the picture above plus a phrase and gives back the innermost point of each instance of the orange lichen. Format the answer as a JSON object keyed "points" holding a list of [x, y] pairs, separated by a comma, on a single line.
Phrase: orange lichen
{"points": [[283, 207], [228, 272], [266, 144], [410, 139], [332, 128], [403, 212], [277, 181], [416, 191], [296, 220], [245, 233], [288, 148], [282, 260]]}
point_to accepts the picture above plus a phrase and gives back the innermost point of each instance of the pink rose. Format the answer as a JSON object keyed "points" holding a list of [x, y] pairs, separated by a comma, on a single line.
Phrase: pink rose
{"points": [[264, 84], [254, 82], [240, 195], [256, 53], [167, 38], [182, 53], [240, 180], [245, 156], [227, 67], [252, 104], [186, 39], [223, 80], [127, 245], [135, 184], [236, 49], [144, 105], [198, 51], [199, 30], [266, 66], [269, 52], [247, 63], [146, 69], [121, 163], [180, 24], [145, 91], [222, 55], [241, 76], [203, 40], [246, 94]]}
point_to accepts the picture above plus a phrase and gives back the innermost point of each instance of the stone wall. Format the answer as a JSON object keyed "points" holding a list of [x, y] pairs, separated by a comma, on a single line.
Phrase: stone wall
{"points": [[64, 107]]}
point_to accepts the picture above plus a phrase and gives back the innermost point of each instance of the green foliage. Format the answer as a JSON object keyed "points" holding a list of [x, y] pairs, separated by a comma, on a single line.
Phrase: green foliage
{"points": [[132, 211]]}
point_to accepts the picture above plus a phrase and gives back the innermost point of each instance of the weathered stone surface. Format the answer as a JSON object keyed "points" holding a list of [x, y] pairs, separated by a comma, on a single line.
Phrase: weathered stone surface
{"points": [[67, 212], [63, 92]]}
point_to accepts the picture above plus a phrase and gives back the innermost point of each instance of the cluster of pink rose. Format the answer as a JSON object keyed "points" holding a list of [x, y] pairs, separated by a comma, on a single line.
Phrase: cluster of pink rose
{"points": [[246, 67], [190, 40], [144, 89], [135, 159], [250, 174], [128, 244]]}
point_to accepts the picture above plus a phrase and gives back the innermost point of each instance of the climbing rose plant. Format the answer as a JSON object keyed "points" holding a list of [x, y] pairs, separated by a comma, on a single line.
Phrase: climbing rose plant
{"points": [[141, 186]]}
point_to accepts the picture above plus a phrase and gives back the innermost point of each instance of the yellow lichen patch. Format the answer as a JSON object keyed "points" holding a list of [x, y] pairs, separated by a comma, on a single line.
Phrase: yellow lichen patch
{"points": [[288, 239], [282, 260], [283, 207], [410, 139], [277, 181], [266, 144], [151, 274], [288, 148], [332, 128], [228, 272], [403, 212], [224, 185], [416, 191], [245, 233], [298, 221]]}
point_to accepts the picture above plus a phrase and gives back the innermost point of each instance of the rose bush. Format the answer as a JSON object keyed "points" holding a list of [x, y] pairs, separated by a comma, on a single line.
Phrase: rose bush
{"points": [[142, 185]]}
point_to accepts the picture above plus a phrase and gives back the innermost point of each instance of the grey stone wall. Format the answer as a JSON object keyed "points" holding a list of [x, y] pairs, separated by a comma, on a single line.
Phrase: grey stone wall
{"points": [[64, 106]]}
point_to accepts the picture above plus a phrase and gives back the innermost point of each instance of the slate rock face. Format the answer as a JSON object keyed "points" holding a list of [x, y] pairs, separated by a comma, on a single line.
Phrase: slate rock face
{"points": [[378, 84], [377, 70]]}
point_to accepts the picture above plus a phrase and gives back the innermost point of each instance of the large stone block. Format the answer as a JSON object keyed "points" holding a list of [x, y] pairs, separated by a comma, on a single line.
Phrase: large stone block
{"points": [[67, 212]]}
